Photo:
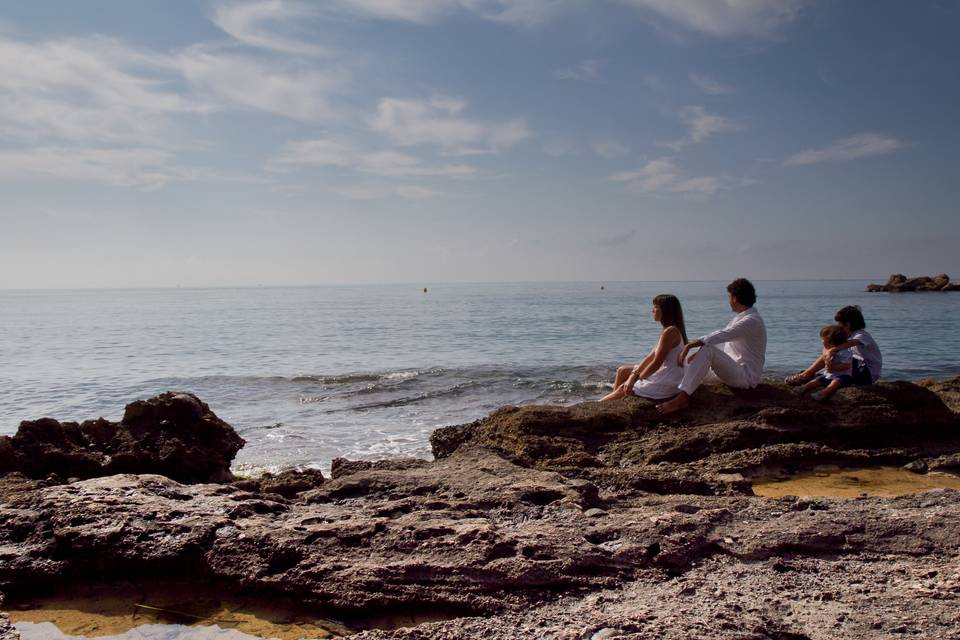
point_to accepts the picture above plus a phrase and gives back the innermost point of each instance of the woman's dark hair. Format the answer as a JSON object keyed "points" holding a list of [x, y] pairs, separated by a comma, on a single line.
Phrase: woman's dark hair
{"points": [[851, 315], [742, 289], [834, 334], [671, 313]]}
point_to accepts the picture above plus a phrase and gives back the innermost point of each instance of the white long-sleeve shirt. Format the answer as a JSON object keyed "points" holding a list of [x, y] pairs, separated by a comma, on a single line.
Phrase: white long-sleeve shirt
{"points": [[745, 340], [869, 352]]}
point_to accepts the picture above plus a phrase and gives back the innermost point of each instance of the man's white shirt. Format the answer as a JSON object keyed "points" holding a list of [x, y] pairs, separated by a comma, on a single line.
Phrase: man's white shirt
{"points": [[745, 340]]}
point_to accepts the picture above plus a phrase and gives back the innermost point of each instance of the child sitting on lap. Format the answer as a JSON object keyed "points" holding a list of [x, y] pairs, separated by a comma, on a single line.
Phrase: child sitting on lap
{"points": [[867, 360], [838, 364]]}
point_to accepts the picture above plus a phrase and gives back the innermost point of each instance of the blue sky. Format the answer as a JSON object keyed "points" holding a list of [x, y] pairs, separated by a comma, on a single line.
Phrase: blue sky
{"points": [[350, 141]]}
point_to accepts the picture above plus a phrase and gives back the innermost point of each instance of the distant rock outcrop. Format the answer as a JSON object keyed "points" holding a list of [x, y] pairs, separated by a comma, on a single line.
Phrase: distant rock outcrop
{"points": [[173, 434], [898, 283]]}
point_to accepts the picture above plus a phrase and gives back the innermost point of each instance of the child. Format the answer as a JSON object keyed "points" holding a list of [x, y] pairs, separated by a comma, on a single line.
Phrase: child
{"points": [[838, 364], [867, 360]]}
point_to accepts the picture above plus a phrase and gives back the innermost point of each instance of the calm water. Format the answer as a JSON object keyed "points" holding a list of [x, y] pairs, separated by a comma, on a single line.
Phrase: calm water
{"points": [[308, 374]]}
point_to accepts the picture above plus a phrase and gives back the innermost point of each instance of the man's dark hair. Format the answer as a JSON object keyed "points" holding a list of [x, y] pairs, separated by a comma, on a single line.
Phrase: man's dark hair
{"points": [[851, 315], [834, 334], [743, 291]]}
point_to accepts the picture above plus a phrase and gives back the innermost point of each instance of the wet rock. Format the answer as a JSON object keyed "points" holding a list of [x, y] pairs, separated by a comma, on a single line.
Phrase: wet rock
{"points": [[917, 466], [173, 434], [946, 463]]}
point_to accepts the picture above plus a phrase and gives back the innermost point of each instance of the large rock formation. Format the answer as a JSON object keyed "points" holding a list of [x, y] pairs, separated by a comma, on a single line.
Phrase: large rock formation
{"points": [[898, 283], [174, 434], [725, 435], [596, 521]]}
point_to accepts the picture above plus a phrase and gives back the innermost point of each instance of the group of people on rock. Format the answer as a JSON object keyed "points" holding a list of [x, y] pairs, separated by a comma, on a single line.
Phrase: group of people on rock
{"points": [[676, 366]]}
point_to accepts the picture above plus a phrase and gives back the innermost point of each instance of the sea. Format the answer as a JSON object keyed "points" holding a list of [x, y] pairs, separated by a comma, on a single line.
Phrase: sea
{"points": [[308, 374]]}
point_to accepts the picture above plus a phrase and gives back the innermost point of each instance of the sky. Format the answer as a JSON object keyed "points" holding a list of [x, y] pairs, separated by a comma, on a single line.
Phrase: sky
{"points": [[231, 143]]}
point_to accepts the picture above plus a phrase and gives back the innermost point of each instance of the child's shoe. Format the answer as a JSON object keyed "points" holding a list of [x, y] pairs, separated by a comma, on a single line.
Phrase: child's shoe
{"points": [[795, 380]]}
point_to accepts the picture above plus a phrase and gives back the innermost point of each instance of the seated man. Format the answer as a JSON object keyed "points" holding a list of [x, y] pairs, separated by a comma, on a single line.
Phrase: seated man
{"points": [[739, 364]]}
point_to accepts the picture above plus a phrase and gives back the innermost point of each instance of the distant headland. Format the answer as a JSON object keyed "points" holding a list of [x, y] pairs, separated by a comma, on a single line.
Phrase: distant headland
{"points": [[899, 283]]}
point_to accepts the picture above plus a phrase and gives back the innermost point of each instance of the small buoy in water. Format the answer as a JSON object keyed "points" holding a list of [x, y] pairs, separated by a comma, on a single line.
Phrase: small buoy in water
{"points": [[601, 287], [424, 289]]}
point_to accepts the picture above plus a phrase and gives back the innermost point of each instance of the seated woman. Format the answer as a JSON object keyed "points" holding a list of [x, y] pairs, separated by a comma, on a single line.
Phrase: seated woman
{"points": [[657, 376]]}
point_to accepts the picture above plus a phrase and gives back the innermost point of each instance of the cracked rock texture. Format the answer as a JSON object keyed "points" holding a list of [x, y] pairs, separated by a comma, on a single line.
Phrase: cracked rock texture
{"points": [[596, 521]]}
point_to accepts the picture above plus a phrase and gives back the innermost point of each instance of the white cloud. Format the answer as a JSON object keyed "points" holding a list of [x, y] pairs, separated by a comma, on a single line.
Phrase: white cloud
{"points": [[653, 176], [725, 18], [377, 192], [523, 13], [266, 24], [609, 148], [418, 11], [586, 71], [338, 153], [88, 89], [663, 176], [282, 88], [862, 145], [413, 192], [394, 163], [701, 125], [711, 85], [519, 13], [146, 168], [437, 121]]}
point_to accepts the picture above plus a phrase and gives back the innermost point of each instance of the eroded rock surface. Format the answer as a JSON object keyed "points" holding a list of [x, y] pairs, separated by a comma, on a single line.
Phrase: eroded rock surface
{"points": [[725, 435], [174, 434], [7, 632], [899, 283], [596, 521]]}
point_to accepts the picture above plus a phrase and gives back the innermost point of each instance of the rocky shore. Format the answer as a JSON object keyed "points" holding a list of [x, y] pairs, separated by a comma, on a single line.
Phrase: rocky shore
{"points": [[899, 283], [596, 521]]}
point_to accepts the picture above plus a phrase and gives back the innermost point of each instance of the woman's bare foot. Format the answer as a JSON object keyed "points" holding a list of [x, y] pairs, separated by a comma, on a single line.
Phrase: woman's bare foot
{"points": [[679, 402]]}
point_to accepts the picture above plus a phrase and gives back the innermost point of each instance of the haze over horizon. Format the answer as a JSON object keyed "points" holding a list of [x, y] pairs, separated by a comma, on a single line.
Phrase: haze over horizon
{"points": [[229, 143]]}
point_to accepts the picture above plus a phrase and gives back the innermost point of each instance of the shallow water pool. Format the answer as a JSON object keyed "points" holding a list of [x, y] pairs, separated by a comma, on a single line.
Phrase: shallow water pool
{"points": [[165, 612], [837, 482]]}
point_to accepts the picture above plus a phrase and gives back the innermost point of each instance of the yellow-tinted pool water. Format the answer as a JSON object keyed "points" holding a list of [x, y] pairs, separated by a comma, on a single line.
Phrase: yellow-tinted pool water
{"points": [[850, 483], [164, 612]]}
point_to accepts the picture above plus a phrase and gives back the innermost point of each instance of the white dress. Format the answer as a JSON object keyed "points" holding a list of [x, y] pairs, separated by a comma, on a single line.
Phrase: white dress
{"points": [[663, 383]]}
